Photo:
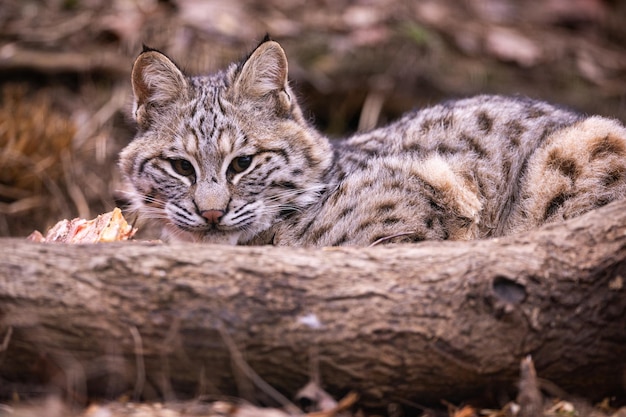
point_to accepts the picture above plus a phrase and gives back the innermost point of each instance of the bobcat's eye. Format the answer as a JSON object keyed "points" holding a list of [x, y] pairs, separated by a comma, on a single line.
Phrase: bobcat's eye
{"points": [[241, 163], [182, 167]]}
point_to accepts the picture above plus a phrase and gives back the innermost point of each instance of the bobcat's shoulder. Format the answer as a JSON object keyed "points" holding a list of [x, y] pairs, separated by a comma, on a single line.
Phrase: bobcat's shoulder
{"points": [[230, 158]]}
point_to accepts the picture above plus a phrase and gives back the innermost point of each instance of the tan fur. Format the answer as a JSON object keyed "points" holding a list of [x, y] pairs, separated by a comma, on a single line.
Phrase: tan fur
{"points": [[456, 192], [585, 163]]}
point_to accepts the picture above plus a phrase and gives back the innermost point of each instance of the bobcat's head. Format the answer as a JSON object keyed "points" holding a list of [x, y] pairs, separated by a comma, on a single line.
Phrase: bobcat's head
{"points": [[223, 157]]}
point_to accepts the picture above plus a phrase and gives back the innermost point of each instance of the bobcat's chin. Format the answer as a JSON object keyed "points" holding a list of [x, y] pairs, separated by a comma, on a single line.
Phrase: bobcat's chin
{"points": [[222, 238], [172, 233]]}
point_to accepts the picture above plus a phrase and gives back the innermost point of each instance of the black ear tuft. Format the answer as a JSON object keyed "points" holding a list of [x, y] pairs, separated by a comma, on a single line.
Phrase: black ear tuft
{"points": [[265, 39], [146, 48]]}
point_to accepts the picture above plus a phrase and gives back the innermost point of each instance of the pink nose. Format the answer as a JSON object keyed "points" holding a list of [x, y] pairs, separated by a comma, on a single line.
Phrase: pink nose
{"points": [[213, 216]]}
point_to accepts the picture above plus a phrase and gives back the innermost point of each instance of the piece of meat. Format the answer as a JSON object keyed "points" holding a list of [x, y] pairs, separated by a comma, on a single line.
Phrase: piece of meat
{"points": [[107, 227]]}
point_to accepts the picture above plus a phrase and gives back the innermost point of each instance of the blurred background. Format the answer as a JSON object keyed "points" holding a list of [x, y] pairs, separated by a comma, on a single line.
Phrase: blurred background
{"points": [[65, 92]]}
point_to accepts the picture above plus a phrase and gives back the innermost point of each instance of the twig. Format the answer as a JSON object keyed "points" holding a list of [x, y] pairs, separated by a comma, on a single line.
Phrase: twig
{"points": [[50, 33], [76, 194], [22, 205], [7, 339], [13, 57], [103, 115], [141, 370], [314, 365], [370, 112], [290, 407], [529, 397]]}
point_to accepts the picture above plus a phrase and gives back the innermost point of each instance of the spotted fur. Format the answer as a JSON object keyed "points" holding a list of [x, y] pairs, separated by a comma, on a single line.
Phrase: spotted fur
{"points": [[229, 158]]}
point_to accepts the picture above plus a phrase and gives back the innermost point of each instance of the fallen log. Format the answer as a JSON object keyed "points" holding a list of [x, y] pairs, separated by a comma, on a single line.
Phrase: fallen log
{"points": [[414, 323]]}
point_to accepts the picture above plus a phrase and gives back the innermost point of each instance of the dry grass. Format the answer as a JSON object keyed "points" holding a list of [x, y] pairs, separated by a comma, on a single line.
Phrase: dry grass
{"points": [[58, 152], [35, 148]]}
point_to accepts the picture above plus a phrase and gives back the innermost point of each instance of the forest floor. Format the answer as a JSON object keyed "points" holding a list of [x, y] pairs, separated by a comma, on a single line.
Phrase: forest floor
{"points": [[65, 64]]}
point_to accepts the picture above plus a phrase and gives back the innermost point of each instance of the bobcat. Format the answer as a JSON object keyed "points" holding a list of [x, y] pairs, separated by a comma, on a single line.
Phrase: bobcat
{"points": [[229, 158]]}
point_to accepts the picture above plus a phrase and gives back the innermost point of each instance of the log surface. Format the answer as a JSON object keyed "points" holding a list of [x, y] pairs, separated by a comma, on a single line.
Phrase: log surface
{"points": [[437, 320]]}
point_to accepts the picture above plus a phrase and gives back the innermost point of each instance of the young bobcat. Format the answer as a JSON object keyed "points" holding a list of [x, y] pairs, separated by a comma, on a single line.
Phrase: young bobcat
{"points": [[230, 158]]}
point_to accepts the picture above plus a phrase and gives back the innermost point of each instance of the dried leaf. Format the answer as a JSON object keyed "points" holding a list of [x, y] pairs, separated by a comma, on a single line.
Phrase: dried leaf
{"points": [[466, 411], [318, 399]]}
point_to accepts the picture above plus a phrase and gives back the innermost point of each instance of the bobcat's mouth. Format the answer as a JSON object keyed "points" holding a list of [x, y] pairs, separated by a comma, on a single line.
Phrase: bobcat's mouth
{"points": [[207, 228]]}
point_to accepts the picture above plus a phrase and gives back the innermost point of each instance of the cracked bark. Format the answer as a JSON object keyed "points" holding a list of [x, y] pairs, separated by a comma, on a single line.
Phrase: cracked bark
{"points": [[418, 323]]}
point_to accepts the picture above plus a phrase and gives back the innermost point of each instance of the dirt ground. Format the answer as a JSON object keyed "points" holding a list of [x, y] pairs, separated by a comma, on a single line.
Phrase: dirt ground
{"points": [[65, 64]]}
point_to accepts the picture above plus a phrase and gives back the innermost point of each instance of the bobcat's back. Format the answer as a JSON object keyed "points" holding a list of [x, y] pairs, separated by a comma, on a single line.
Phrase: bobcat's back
{"points": [[229, 158]]}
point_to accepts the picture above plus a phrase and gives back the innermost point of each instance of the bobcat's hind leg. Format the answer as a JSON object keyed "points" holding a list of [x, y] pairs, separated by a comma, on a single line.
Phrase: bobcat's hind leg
{"points": [[577, 169]]}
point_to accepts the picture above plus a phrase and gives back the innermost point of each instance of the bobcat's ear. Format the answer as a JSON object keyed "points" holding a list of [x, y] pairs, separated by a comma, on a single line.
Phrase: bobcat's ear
{"points": [[265, 71], [157, 81]]}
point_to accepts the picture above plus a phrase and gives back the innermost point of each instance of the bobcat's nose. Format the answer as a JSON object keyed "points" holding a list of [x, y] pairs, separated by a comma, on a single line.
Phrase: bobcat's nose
{"points": [[213, 216]]}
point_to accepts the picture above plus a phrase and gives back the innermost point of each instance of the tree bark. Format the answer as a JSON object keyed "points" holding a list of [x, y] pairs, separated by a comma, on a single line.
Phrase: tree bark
{"points": [[424, 322]]}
